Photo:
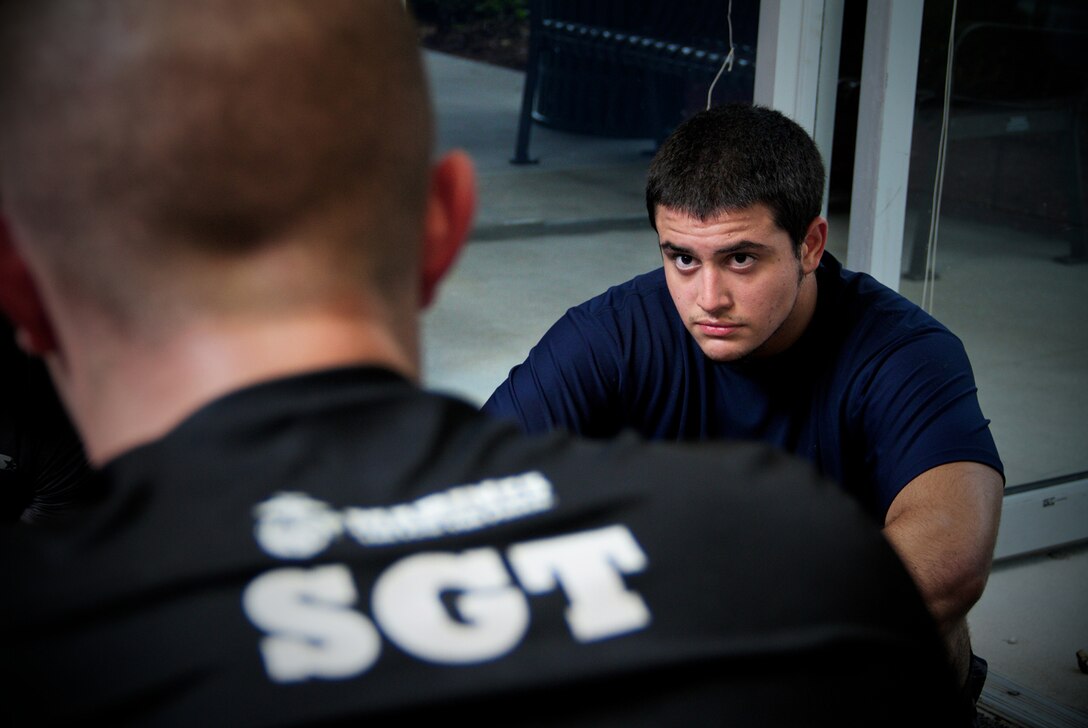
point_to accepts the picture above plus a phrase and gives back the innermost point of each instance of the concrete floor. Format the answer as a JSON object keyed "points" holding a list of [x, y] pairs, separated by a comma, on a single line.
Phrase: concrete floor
{"points": [[551, 235]]}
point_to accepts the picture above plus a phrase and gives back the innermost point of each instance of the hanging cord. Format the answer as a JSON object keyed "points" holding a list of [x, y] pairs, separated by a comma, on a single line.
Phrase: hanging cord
{"points": [[728, 62], [929, 279]]}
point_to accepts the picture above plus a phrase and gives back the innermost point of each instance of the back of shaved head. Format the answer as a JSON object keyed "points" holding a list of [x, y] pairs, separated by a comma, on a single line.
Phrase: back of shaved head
{"points": [[136, 134]]}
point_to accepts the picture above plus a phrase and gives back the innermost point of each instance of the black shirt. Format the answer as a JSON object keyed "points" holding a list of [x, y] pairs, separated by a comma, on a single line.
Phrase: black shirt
{"points": [[341, 546]]}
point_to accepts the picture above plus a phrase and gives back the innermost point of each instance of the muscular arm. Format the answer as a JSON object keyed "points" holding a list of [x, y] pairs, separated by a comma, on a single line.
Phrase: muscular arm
{"points": [[943, 525]]}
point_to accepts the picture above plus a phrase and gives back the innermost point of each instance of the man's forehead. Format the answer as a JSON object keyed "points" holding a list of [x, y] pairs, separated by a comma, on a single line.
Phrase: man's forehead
{"points": [[754, 217]]}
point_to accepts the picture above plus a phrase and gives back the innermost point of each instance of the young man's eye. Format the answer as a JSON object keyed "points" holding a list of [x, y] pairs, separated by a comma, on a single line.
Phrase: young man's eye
{"points": [[684, 262], [743, 260]]}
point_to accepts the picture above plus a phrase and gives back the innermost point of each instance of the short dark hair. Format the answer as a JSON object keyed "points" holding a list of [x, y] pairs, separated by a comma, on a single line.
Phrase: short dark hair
{"points": [[214, 139], [735, 156]]}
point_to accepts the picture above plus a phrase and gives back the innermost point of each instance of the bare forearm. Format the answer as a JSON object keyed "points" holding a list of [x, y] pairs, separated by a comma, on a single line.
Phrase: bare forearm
{"points": [[950, 580], [943, 525]]}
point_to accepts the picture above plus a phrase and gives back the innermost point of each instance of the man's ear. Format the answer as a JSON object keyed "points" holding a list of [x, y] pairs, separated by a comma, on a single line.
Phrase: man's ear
{"points": [[812, 247], [451, 204], [20, 301]]}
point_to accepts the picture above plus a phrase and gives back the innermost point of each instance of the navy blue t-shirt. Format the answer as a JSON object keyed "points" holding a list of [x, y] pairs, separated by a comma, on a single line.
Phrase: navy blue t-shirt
{"points": [[875, 392]]}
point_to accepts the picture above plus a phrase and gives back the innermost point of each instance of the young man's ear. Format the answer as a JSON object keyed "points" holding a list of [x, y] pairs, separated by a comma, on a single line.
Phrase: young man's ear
{"points": [[20, 301], [812, 247], [451, 205]]}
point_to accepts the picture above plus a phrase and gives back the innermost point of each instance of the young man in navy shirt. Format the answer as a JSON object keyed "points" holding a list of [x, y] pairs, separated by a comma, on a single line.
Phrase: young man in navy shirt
{"points": [[752, 330]]}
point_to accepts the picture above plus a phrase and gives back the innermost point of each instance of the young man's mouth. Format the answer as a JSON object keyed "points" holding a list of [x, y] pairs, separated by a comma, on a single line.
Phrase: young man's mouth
{"points": [[717, 328]]}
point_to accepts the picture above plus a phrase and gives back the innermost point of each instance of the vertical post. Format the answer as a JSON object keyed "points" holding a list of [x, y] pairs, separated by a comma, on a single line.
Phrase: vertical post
{"points": [[788, 58], [889, 75], [797, 65]]}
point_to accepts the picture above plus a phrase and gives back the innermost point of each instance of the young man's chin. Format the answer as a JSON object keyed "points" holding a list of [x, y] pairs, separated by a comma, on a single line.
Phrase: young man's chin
{"points": [[725, 351]]}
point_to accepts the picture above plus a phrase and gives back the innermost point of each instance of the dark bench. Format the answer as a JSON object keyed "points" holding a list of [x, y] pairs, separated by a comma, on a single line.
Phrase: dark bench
{"points": [[630, 69]]}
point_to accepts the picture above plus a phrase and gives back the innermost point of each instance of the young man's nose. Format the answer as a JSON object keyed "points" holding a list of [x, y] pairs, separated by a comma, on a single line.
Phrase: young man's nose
{"points": [[713, 294]]}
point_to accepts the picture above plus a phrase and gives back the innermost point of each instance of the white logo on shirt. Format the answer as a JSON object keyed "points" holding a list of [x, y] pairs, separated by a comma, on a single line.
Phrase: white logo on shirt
{"points": [[312, 630], [297, 526]]}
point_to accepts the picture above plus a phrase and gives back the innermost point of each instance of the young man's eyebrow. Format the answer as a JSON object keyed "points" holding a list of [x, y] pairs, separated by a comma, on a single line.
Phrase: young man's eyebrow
{"points": [[741, 246], [671, 248]]}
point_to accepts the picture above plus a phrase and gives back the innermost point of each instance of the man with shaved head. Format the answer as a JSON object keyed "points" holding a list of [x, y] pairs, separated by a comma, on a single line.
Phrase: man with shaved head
{"points": [[221, 220]]}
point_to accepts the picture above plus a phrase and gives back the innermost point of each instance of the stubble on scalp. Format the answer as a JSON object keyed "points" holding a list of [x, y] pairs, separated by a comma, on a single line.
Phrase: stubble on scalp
{"points": [[134, 131]]}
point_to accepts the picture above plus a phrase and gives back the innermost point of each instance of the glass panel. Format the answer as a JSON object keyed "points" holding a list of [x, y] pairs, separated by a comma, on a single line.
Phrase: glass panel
{"points": [[1008, 273], [847, 95]]}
